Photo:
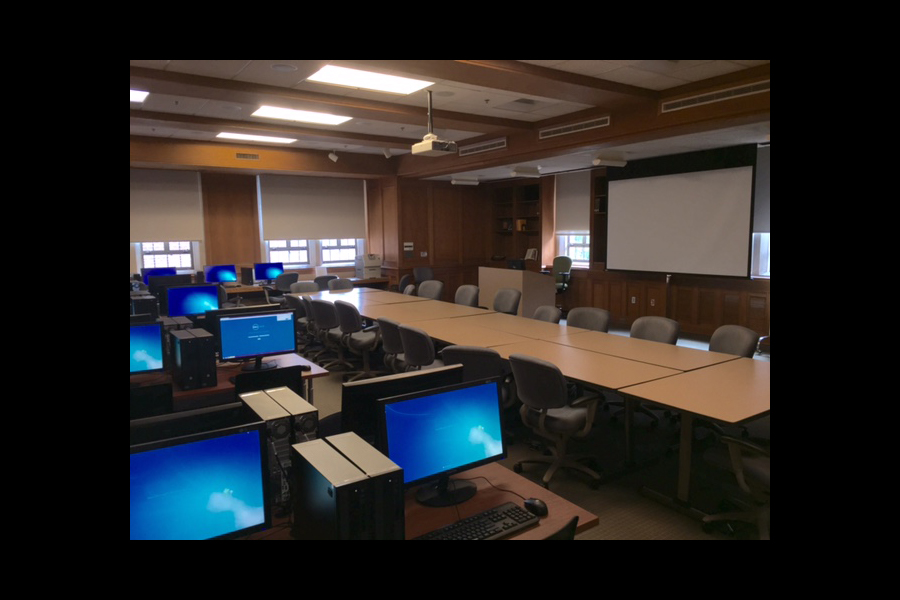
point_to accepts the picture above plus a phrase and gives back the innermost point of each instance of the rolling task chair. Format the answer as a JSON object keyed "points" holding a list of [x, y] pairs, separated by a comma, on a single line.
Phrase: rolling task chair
{"points": [[418, 349], [547, 411], [357, 338], [466, 295], [751, 466], [588, 317], [392, 345], [507, 301], [328, 331], [548, 313], [282, 286], [431, 288]]}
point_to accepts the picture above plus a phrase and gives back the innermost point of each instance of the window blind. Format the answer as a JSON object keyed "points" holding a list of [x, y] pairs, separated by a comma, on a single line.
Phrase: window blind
{"points": [[573, 202], [165, 206], [312, 207]]}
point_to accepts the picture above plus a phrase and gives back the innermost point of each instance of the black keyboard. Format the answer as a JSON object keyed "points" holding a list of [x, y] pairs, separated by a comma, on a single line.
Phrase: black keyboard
{"points": [[492, 524]]}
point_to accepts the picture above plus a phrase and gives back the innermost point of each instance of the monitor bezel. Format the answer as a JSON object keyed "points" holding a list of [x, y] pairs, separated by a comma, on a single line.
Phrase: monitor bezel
{"points": [[260, 428]]}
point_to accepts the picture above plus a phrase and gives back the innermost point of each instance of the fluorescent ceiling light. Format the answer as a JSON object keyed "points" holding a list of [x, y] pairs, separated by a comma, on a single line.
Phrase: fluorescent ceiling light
{"points": [[138, 95], [531, 172], [378, 82], [255, 138], [464, 181], [609, 162], [305, 116]]}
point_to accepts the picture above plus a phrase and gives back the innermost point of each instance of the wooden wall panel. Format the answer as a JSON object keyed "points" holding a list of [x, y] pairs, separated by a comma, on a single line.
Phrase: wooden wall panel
{"points": [[231, 219]]}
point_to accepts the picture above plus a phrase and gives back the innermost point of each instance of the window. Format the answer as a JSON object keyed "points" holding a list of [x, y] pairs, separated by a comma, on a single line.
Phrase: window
{"points": [[335, 251], [577, 247], [167, 254], [760, 261], [293, 252]]}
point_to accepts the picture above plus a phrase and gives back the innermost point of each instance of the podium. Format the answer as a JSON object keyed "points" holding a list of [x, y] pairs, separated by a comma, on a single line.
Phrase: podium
{"points": [[537, 289]]}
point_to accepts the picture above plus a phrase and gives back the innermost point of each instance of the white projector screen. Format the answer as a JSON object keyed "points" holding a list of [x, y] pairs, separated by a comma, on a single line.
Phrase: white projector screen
{"points": [[687, 223]]}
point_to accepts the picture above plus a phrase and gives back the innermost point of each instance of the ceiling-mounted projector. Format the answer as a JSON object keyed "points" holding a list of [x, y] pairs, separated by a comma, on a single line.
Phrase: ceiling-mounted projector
{"points": [[430, 144]]}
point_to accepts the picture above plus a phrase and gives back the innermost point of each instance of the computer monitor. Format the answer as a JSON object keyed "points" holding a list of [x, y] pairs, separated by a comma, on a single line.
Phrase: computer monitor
{"points": [[267, 271], [189, 300], [208, 485], [147, 350], [220, 274], [437, 433], [360, 407], [211, 318], [147, 273], [157, 285], [256, 335]]}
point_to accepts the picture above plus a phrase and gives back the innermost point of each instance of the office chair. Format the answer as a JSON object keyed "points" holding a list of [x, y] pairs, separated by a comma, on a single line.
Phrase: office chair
{"points": [[507, 301], [750, 465], [548, 313], [431, 288], [357, 338], [224, 302], [322, 281], [654, 329], [300, 287], [405, 281], [561, 270], [392, 344], [328, 331], [548, 412], [296, 304], [340, 284], [421, 274], [466, 295], [567, 532], [410, 290], [588, 317], [282, 286], [418, 349]]}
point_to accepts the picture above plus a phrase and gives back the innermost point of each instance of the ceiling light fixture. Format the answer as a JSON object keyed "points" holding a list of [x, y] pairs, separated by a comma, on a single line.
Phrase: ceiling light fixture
{"points": [[366, 80], [387, 153], [255, 138], [138, 95], [333, 156], [608, 162], [531, 172], [464, 181], [304, 116]]}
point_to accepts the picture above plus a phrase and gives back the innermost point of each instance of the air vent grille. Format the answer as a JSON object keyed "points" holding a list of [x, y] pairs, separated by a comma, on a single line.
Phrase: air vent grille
{"points": [[245, 156], [498, 144], [744, 90], [574, 128]]}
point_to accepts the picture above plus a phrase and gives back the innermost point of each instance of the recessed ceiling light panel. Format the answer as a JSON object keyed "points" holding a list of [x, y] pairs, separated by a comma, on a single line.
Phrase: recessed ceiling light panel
{"points": [[138, 95], [366, 80], [255, 138], [303, 116]]}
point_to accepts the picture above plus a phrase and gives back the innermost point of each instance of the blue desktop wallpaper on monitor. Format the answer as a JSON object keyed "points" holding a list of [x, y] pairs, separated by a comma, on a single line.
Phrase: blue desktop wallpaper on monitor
{"points": [[220, 273], [199, 490], [267, 270], [193, 300], [433, 434], [146, 348]]}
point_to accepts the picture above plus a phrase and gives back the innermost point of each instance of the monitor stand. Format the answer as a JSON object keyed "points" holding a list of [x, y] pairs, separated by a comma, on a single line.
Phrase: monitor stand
{"points": [[258, 365], [446, 492]]}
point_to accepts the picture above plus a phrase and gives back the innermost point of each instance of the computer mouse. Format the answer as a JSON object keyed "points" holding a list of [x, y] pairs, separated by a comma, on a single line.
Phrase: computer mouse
{"points": [[536, 506]]}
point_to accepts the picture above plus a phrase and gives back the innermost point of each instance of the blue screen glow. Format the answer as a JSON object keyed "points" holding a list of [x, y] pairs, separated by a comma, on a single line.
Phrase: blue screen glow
{"points": [[146, 348], [198, 490], [433, 434], [192, 300], [220, 274], [267, 270]]}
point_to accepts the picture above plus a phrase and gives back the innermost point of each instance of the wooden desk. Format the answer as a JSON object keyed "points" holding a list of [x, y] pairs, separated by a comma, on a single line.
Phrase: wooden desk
{"points": [[492, 480], [523, 326], [461, 331], [410, 312], [731, 392], [655, 353]]}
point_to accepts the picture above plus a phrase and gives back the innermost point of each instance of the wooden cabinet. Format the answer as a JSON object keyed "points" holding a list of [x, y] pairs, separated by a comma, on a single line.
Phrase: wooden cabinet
{"points": [[516, 222]]}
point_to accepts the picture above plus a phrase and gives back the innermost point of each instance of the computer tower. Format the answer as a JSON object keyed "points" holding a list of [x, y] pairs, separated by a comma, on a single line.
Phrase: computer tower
{"points": [[304, 416], [194, 358], [337, 498], [278, 436]]}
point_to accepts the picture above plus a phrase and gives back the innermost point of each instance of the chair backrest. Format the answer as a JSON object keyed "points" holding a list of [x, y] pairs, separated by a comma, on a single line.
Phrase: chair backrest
{"points": [[478, 363], [324, 314], [561, 264], [390, 336], [657, 329], [423, 273], [540, 384], [589, 317], [418, 347], [295, 303], [507, 300], [431, 288], [548, 313], [307, 308], [340, 284], [223, 295], [734, 339], [410, 290], [467, 294], [283, 282], [322, 281], [405, 281], [304, 286], [349, 318], [567, 532]]}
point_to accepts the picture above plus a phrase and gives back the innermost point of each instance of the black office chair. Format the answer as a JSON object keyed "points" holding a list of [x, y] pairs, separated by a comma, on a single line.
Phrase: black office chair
{"points": [[750, 465], [357, 338], [548, 313], [296, 304], [567, 532], [328, 332], [431, 288], [548, 412], [322, 281], [392, 345], [507, 301], [466, 295], [418, 349], [275, 293], [589, 317]]}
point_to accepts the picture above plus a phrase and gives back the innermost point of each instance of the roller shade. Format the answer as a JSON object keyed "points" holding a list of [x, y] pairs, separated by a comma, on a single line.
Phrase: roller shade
{"points": [[312, 207], [573, 202], [165, 206]]}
